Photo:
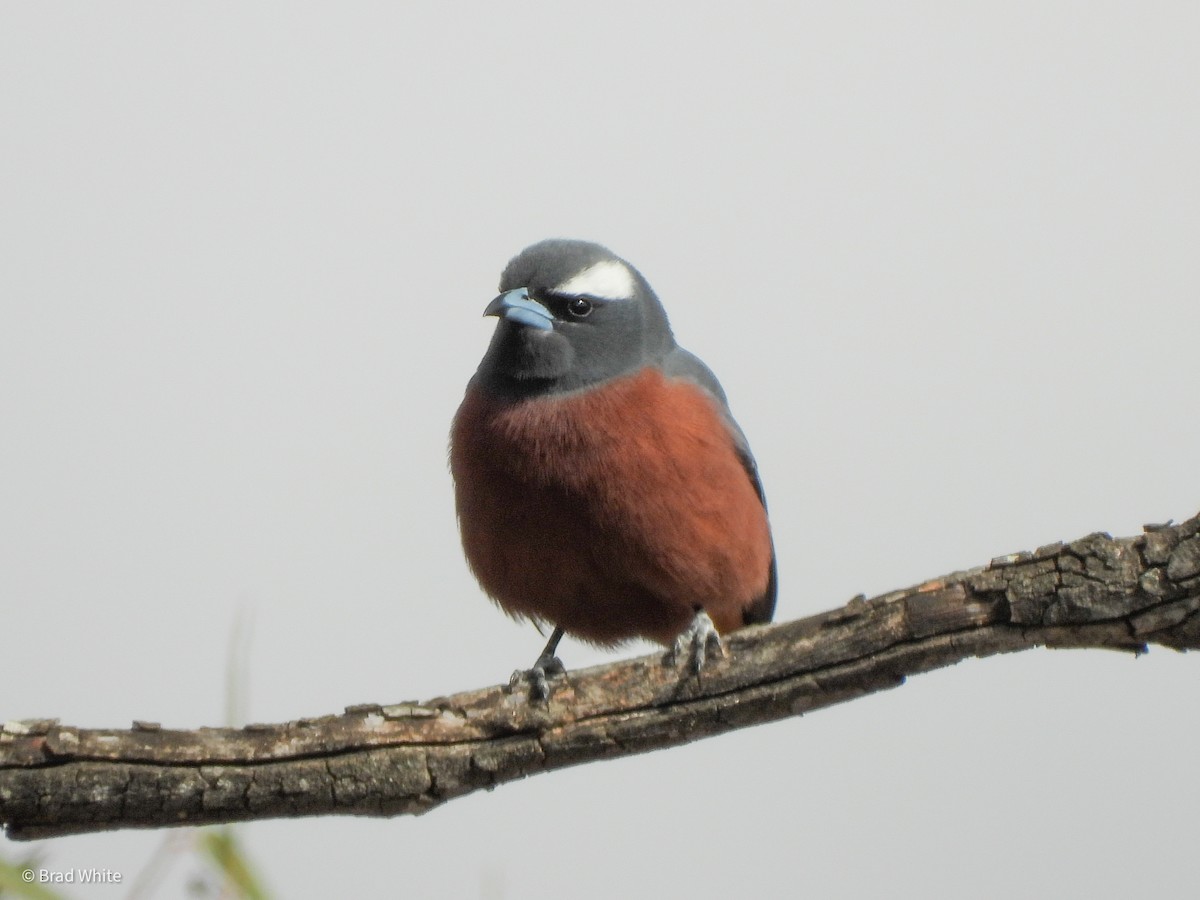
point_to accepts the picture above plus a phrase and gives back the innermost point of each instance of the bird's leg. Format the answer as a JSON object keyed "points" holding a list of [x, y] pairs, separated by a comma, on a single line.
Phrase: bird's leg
{"points": [[695, 641], [547, 664]]}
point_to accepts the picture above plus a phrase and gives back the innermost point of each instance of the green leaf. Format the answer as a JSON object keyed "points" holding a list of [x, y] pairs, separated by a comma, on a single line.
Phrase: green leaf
{"points": [[13, 881], [224, 851]]}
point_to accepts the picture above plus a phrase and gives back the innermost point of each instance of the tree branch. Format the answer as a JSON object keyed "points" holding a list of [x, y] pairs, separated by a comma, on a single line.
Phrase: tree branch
{"points": [[411, 757]]}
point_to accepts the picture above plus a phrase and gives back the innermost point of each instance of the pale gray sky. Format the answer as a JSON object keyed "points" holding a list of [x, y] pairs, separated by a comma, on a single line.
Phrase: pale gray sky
{"points": [[943, 257]]}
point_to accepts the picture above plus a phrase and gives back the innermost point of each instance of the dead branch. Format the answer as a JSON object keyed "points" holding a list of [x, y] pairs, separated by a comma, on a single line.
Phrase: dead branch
{"points": [[411, 757]]}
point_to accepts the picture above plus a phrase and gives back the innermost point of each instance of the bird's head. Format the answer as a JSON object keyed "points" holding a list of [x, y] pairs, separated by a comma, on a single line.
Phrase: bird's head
{"points": [[572, 314]]}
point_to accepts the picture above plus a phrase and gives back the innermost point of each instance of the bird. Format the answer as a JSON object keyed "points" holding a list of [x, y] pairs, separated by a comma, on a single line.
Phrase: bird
{"points": [[602, 486]]}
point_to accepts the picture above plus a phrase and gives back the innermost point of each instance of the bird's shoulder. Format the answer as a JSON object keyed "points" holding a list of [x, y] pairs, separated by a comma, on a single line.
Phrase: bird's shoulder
{"points": [[682, 364]]}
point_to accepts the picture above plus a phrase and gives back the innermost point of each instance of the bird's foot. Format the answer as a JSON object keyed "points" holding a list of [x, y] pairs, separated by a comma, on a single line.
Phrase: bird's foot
{"points": [[695, 642], [547, 666]]}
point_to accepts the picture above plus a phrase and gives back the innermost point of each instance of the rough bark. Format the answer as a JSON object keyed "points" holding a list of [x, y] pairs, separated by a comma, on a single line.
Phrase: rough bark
{"points": [[411, 757]]}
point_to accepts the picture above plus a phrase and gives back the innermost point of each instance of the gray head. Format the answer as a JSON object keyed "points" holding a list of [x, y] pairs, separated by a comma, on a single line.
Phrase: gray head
{"points": [[572, 314]]}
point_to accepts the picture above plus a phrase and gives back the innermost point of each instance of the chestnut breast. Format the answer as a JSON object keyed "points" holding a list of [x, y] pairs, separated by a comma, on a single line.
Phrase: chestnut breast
{"points": [[614, 512]]}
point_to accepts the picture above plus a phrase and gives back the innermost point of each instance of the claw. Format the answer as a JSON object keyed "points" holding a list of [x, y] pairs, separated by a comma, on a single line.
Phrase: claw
{"points": [[696, 640], [538, 676], [547, 665]]}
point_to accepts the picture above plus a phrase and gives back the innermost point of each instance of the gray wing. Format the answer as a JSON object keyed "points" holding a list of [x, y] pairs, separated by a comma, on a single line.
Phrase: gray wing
{"points": [[679, 363]]}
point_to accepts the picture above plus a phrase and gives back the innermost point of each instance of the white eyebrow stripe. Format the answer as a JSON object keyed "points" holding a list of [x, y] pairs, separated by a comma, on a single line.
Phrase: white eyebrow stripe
{"points": [[606, 280]]}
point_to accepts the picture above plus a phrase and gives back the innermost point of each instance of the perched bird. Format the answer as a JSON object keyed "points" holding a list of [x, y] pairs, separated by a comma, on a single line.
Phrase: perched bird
{"points": [[603, 488]]}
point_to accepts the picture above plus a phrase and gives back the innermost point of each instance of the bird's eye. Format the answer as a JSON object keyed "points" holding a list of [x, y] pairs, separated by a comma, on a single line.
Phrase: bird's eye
{"points": [[579, 307]]}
